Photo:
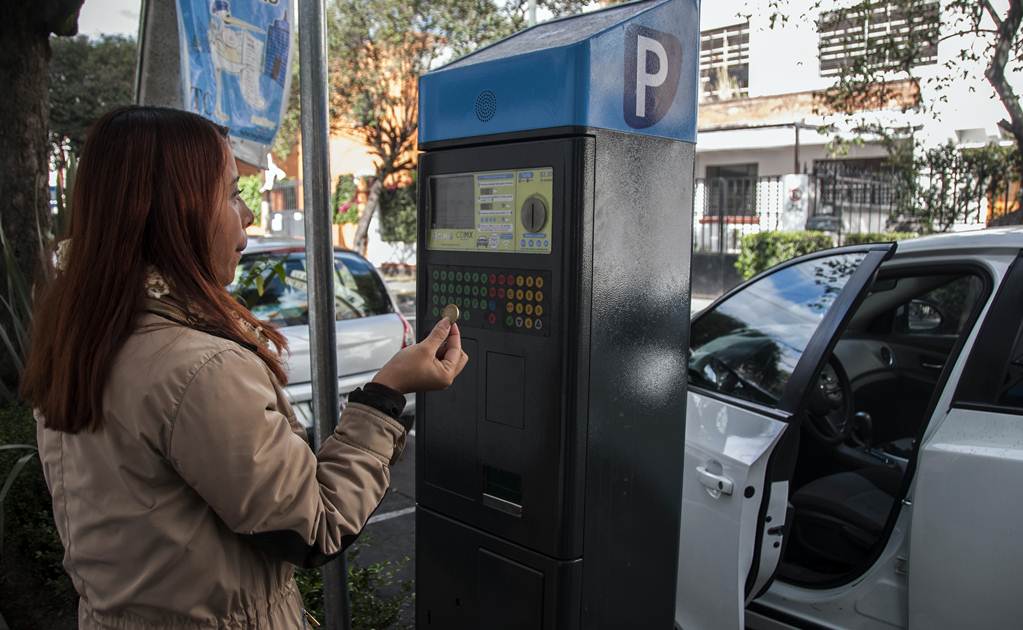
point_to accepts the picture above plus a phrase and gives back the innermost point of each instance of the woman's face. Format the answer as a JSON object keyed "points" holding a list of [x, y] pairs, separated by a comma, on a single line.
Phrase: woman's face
{"points": [[232, 217]]}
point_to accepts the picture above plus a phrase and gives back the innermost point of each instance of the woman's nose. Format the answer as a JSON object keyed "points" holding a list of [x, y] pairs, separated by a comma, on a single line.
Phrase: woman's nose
{"points": [[248, 218]]}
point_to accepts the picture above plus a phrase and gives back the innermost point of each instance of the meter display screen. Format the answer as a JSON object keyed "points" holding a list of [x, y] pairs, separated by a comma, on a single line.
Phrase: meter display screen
{"points": [[452, 202], [508, 211]]}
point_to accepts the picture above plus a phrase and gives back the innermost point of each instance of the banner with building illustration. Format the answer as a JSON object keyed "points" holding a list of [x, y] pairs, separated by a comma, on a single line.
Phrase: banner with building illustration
{"points": [[235, 57]]}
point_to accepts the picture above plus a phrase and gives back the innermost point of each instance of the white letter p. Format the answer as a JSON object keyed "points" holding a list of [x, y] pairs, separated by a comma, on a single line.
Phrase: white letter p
{"points": [[646, 45]]}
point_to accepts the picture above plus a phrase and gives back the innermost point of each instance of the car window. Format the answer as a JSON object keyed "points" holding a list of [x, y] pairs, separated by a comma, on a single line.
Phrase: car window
{"points": [[944, 310], [274, 288], [748, 345]]}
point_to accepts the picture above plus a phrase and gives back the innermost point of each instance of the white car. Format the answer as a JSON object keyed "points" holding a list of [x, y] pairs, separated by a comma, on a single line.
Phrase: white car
{"points": [[271, 281], [854, 442]]}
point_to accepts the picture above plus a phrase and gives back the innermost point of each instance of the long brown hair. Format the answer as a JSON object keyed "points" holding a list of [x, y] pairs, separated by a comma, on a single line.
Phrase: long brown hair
{"points": [[149, 182]]}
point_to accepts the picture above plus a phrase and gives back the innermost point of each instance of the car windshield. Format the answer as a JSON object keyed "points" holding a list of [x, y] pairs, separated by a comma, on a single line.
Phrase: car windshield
{"points": [[749, 344], [273, 286]]}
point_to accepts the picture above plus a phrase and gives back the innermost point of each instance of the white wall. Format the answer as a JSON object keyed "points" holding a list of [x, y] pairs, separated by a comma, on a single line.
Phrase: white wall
{"points": [[778, 160]]}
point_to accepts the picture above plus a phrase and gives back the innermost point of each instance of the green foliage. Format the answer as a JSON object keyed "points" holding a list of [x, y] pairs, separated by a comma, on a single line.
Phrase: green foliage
{"points": [[377, 596], [16, 307], [343, 200], [250, 186], [764, 250], [860, 238], [30, 537], [88, 77], [398, 214]]}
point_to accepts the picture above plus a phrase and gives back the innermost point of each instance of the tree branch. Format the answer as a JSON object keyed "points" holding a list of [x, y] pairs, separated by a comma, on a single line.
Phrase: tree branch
{"points": [[991, 11], [995, 72]]}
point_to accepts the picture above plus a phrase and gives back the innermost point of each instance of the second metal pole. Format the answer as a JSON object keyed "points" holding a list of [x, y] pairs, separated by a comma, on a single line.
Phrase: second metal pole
{"points": [[320, 265]]}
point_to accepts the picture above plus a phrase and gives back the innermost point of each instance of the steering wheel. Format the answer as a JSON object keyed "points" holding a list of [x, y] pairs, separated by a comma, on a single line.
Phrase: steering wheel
{"points": [[829, 407]]}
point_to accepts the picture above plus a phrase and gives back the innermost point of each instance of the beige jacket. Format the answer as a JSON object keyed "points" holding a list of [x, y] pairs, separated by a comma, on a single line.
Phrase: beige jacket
{"points": [[189, 506]]}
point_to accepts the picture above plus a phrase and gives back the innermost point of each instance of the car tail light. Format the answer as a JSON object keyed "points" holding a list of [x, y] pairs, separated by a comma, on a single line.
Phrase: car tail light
{"points": [[408, 337]]}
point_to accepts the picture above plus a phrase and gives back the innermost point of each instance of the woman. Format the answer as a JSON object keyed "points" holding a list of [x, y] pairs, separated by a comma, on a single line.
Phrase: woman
{"points": [[183, 489]]}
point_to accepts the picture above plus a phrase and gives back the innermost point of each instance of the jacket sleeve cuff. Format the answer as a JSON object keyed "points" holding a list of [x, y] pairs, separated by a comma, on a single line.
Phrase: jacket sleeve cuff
{"points": [[383, 399]]}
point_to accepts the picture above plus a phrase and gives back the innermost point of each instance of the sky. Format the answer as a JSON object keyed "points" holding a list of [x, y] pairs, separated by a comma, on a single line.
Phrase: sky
{"points": [[115, 17]]}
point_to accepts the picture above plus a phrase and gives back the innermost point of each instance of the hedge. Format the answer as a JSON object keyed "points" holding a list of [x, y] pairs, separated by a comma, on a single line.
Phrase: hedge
{"points": [[859, 238], [763, 250]]}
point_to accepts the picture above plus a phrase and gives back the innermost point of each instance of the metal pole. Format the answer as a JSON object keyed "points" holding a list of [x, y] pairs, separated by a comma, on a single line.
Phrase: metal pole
{"points": [[320, 265], [532, 13]]}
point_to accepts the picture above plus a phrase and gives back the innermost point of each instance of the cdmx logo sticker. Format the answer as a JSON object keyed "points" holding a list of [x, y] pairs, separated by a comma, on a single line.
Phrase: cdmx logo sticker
{"points": [[653, 62]]}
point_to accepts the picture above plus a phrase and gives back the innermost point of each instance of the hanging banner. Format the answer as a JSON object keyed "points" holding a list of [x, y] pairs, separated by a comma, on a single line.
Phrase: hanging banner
{"points": [[235, 58]]}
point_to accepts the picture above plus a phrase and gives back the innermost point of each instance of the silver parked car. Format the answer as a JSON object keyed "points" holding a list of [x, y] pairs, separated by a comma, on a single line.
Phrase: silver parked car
{"points": [[271, 281]]}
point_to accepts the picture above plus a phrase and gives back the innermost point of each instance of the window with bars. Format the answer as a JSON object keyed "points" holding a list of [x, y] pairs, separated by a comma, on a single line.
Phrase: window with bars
{"points": [[724, 63], [868, 30], [731, 191]]}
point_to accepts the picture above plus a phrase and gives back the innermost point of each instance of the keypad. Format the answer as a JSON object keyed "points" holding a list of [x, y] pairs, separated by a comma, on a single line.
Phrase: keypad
{"points": [[505, 300]]}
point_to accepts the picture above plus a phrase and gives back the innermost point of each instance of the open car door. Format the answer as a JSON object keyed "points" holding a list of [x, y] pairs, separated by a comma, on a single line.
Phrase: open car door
{"points": [[755, 354]]}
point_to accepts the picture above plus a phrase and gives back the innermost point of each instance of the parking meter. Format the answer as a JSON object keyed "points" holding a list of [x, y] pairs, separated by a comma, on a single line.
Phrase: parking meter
{"points": [[555, 210]]}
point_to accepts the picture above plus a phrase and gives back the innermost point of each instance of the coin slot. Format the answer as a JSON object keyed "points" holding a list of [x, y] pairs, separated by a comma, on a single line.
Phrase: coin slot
{"points": [[502, 490]]}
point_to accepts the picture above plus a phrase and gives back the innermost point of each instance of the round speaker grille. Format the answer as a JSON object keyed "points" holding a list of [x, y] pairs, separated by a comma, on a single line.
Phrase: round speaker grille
{"points": [[486, 105]]}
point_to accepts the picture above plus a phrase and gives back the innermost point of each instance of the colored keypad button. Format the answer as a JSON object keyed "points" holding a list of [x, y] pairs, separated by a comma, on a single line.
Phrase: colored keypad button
{"points": [[508, 307], [519, 308], [435, 311], [529, 295], [491, 318], [467, 315], [500, 279], [458, 276], [539, 324], [529, 323], [509, 321], [493, 278], [520, 280], [435, 274], [539, 282], [493, 292], [520, 294], [529, 309], [529, 281], [538, 310], [518, 322], [500, 293], [492, 305], [539, 296], [436, 298]]}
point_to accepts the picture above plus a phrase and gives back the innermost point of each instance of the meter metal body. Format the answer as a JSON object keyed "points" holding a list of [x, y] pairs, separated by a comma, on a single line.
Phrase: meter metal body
{"points": [[555, 210]]}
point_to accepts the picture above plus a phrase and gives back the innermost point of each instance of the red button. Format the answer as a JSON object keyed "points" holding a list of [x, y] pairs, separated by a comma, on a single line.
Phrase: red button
{"points": [[500, 293], [500, 279], [492, 318], [493, 278], [493, 291]]}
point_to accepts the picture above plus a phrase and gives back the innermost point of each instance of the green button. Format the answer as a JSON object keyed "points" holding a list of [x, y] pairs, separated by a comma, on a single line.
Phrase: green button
{"points": [[435, 298], [508, 321], [436, 311], [435, 274], [443, 275], [458, 276], [475, 303], [475, 290], [467, 315], [475, 276], [458, 289]]}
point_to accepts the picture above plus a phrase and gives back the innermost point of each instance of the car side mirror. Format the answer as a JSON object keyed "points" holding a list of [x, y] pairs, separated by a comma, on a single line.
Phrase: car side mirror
{"points": [[923, 317]]}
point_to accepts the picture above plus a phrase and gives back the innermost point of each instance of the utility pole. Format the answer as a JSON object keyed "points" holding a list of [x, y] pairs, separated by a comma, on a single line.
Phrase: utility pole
{"points": [[532, 12], [320, 266]]}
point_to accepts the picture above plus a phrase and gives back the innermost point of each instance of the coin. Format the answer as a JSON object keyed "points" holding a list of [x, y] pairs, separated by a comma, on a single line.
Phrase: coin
{"points": [[451, 313]]}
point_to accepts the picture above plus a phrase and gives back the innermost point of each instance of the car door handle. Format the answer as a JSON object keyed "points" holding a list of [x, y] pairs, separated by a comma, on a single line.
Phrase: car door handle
{"points": [[713, 481]]}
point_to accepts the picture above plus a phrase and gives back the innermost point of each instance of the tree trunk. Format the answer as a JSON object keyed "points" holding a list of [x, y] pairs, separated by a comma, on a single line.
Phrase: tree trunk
{"points": [[366, 218], [24, 185], [24, 112]]}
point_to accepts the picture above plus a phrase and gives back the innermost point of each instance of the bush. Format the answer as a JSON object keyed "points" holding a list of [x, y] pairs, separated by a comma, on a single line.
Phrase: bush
{"points": [[859, 238], [761, 251], [343, 200], [32, 570], [398, 214], [376, 596]]}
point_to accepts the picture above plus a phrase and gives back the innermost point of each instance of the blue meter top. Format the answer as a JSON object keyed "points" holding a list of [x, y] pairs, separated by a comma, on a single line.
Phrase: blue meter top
{"points": [[619, 68]]}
